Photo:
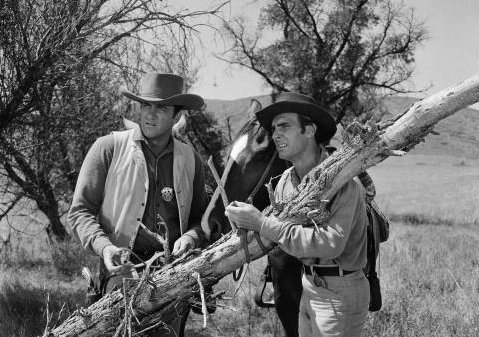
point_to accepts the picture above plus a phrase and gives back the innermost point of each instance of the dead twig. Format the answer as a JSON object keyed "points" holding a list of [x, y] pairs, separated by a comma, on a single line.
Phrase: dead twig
{"points": [[202, 295]]}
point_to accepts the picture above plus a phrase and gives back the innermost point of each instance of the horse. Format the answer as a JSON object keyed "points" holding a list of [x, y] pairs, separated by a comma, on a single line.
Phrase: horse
{"points": [[252, 162]]}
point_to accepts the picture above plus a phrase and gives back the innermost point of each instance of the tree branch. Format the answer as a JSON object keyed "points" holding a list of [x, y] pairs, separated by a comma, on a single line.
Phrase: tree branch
{"points": [[283, 4], [346, 36]]}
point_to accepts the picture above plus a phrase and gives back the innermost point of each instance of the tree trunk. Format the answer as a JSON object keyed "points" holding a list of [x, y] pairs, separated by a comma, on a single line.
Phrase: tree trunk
{"points": [[55, 229], [365, 146], [49, 206]]}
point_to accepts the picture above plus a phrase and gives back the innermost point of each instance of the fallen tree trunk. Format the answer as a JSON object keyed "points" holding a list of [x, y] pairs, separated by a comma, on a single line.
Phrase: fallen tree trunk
{"points": [[365, 147]]}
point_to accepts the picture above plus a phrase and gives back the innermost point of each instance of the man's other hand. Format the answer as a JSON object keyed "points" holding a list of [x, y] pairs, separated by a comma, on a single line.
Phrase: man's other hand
{"points": [[183, 244], [114, 259], [244, 215]]}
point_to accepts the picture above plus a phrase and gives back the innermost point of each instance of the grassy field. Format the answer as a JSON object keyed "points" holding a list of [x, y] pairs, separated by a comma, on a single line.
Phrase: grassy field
{"points": [[430, 283], [429, 268], [434, 186]]}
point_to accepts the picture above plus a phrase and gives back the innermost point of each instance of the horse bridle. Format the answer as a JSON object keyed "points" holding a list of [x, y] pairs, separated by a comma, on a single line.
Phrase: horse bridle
{"points": [[261, 180], [238, 275]]}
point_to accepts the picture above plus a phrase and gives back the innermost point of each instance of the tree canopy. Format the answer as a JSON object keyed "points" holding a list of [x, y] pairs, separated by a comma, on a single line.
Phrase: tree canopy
{"points": [[344, 53], [61, 64]]}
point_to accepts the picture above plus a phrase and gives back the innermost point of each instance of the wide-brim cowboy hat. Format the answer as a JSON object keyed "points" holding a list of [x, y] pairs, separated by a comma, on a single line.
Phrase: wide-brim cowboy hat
{"points": [[292, 102], [164, 89]]}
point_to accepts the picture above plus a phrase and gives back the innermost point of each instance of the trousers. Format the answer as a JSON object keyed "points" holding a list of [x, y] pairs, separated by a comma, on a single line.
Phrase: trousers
{"points": [[333, 305]]}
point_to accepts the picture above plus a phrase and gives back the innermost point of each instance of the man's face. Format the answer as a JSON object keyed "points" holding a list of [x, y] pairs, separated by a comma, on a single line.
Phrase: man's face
{"points": [[288, 136], [156, 121]]}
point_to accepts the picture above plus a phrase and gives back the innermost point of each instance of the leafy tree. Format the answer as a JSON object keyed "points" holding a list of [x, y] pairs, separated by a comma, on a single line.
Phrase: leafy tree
{"points": [[341, 52], [61, 63]]}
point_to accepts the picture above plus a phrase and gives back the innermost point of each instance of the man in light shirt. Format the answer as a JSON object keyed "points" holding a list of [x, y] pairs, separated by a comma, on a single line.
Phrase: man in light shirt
{"points": [[335, 295]]}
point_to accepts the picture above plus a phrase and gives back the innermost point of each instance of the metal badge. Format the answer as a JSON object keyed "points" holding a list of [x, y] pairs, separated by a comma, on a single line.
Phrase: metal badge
{"points": [[167, 194]]}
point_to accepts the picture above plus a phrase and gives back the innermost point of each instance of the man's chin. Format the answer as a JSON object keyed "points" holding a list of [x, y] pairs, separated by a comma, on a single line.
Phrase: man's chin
{"points": [[283, 155], [150, 131]]}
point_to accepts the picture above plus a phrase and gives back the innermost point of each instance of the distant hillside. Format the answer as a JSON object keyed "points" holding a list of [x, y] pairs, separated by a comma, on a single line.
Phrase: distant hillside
{"points": [[458, 134]]}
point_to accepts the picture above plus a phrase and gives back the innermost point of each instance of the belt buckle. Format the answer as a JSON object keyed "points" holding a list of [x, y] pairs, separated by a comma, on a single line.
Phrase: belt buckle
{"points": [[340, 270], [319, 281]]}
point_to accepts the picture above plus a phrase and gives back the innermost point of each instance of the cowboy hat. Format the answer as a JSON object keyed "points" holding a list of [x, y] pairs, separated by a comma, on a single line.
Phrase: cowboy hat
{"points": [[288, 102], [164, 89]]}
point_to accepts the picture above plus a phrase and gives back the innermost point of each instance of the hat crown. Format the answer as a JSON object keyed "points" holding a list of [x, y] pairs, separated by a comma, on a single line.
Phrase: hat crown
{"points": [[293, 102], [157, 85], [295, 97]]}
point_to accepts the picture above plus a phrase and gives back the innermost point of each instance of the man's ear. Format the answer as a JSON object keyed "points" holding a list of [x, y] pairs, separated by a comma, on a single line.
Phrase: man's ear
{"points": [[310, 129]]}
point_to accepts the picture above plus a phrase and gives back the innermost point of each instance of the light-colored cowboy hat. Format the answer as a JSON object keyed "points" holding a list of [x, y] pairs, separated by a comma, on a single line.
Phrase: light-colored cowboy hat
{"points": [[164, 89], [292, 102]]}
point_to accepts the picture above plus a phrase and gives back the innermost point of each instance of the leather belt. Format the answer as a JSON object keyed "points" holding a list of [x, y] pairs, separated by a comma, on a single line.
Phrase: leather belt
{"points": [[326, 271]]}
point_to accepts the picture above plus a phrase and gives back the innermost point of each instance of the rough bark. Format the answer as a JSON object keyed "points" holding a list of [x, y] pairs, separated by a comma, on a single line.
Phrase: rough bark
{"points": [[365, 147]]}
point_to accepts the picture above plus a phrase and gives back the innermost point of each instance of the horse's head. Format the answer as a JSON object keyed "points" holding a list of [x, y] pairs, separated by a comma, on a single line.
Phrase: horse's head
{"points": [[251, 163]]}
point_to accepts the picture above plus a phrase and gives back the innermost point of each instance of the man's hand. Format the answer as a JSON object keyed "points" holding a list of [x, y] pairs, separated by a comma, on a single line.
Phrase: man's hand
{"points": [[183, 244], [115, 261], [244, 215]]}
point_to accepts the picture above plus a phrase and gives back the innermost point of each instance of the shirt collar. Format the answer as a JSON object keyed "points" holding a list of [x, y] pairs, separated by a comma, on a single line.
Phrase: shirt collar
{"points": [[294, 175], [138, 136]]}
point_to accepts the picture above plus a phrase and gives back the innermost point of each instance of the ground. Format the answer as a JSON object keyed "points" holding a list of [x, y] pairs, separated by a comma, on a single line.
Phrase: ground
{"points": [[429, 268]]}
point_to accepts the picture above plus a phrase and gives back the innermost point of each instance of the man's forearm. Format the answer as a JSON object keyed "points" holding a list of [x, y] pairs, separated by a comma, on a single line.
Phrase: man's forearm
{"points": [[88, 230]]}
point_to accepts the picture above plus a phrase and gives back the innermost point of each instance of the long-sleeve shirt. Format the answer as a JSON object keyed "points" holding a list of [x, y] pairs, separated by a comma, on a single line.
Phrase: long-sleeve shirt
{"points": [[90, 188], [342, 241]]}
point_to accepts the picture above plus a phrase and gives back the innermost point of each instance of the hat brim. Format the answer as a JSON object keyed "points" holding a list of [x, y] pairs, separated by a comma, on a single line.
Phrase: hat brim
{"points": [[187, 101], [320, 116]]}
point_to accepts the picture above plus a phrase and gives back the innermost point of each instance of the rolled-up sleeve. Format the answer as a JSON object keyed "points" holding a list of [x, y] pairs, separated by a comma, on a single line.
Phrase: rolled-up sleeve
{"points": [[327, 241], [88, 196]]}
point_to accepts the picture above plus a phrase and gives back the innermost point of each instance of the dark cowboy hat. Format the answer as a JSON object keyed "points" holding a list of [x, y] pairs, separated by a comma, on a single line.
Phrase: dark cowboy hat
{"points": [[300, 104], [164, 89]]}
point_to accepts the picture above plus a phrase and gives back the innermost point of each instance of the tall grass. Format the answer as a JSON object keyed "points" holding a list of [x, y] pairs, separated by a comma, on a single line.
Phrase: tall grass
{"points": [[238, 316], [429, 272], [429, 276], [68, 257], [35, 291], [25, 304], [430, 285], [429, 268]]}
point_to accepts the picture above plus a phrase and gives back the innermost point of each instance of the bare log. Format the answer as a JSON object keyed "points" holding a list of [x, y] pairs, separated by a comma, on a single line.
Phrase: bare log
{"points": [[366, 146]]}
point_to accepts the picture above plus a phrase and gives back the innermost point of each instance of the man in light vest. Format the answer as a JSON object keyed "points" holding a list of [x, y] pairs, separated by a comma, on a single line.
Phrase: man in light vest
{"points": [[142, 191]]}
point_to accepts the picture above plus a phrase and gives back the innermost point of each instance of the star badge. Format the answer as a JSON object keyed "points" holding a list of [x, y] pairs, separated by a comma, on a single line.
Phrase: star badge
{"points": [[167, 194]]}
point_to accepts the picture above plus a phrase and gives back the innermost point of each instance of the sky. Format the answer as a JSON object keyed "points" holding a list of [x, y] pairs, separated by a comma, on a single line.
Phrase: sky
{"points": [[450, 55]]}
